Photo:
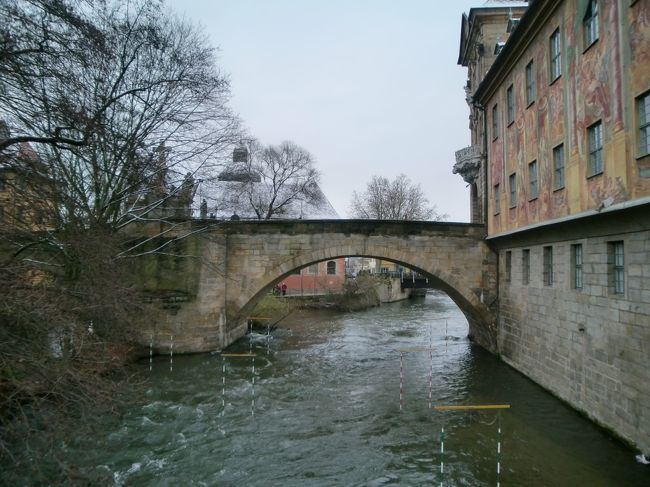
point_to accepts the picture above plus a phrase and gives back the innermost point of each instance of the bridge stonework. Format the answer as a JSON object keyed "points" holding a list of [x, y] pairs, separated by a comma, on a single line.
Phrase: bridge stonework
{"points": [[239, 262]]}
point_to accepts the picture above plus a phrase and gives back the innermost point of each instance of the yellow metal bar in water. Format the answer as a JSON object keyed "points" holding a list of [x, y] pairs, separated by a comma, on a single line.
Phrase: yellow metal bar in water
{"points": [[413, 350], [471, 408], [238, 355]]}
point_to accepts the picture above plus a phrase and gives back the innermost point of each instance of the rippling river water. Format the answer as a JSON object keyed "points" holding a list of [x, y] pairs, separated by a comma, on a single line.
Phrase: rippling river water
{"points": [[327, 413]]}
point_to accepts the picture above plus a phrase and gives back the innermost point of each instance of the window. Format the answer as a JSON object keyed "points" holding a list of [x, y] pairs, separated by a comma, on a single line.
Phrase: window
{"points": [[331, 267], [576, 266], [548, 266], [513, 190], [616, 258], [313, 269], [510, 98], [558, 167], [643, 104], [533, 190], [508, 265], [590, 23], [525, 266], [556, 55], [595, 141], [497, 199], [530, 83], [495, 121]]}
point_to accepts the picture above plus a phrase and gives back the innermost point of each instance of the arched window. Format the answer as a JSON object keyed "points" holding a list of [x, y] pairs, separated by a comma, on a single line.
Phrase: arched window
{"points": [[331, 267]]}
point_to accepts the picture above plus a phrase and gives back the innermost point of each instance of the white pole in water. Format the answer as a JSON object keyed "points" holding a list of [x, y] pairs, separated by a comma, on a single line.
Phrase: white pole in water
{"points": [[253, 388], [151, 354], [268, 337], [171, 352], [223, 385], [401, 380], [430, 362], [442, 454], [499, 453]]}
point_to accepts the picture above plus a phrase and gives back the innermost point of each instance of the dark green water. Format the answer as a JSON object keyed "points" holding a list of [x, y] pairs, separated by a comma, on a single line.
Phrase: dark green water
{"points": [[327, 413]]}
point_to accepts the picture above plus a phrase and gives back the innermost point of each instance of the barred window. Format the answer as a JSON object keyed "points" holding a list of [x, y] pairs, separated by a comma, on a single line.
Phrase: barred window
{"points": [[548, 266], [513, 190], [525, 266], [331, 267], [616, 256], [576, 266]]}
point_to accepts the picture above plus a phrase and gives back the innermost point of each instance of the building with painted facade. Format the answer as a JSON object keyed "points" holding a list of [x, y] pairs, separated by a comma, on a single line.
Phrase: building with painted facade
{"points": [[560, 173]]}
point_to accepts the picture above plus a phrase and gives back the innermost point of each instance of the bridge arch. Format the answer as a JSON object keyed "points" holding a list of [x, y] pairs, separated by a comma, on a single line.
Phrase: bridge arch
{"points": [[480, 318]]}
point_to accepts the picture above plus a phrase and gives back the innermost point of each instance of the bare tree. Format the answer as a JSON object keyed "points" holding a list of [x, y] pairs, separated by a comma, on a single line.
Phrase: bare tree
{"points": [[400, 199], [115, 97], [110, 110], [270, 181]]}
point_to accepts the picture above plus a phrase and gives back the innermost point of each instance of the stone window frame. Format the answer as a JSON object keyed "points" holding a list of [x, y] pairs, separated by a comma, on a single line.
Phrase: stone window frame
{"points": [[531, 88], [331, 267], [510, 104], [595, 149], [577, 269], [512, 181], [559, 165], [643, 119], [555, 55], [590, 24], [616, 266], [525, 266], [547, 265], [508, 265], [533, 181]]}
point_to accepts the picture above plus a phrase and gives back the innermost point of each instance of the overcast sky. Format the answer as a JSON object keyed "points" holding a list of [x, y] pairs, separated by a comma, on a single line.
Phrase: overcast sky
{"points": [[369, 87]]}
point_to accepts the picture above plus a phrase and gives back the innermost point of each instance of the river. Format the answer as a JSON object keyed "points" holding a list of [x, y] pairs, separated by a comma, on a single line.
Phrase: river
{"points": [[324, 410]]}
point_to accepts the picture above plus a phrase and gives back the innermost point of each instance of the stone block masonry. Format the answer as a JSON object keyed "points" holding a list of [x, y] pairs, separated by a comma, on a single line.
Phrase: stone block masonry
{"points": [[588, 344]]}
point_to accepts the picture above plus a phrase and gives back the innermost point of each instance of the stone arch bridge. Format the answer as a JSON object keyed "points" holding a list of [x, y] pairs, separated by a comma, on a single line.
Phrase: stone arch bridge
{"points": [[233, 264]]}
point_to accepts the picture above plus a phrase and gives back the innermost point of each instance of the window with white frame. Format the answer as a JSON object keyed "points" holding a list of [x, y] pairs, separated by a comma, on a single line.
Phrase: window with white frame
{"points": [[643, 108], [513, 190], [558, 167], [590, 23], [595, 143], [533, 189], [510, 102], [556, 55], [530, 83]]}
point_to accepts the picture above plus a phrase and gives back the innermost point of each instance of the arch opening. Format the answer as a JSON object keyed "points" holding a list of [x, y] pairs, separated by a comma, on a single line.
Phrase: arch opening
{"points": [[481, 323]]}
